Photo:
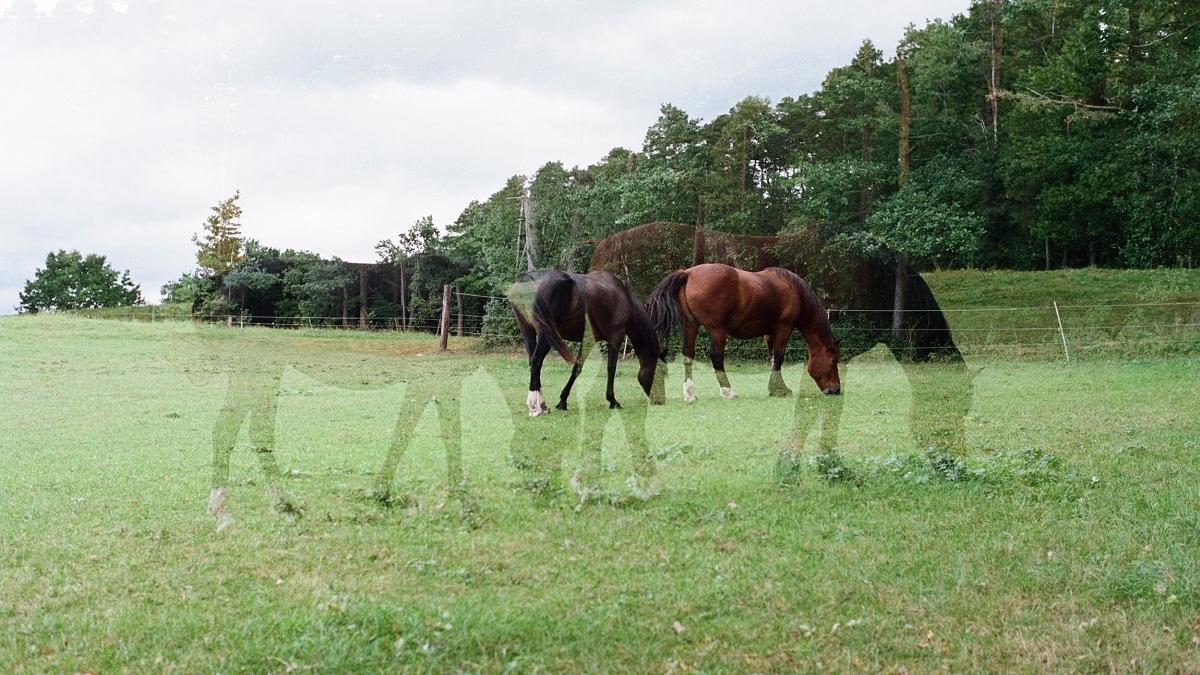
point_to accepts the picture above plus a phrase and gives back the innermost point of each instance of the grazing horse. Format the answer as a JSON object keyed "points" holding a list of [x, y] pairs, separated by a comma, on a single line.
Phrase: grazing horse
{"points": [[730, 302], [861, 291], [553, 306]]}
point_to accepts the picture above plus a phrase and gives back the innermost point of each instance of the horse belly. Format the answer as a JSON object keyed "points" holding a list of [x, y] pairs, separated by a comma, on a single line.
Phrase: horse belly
{"points": [[751, 327], [753, 319]]}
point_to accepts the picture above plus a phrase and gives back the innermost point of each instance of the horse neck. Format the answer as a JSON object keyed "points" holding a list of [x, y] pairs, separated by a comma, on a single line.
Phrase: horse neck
{"points": [[642, 336], [814, 326]]}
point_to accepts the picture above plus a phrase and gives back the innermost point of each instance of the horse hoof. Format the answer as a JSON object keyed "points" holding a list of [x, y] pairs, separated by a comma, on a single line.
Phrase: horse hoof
{"points": [[728, 394], [562, 405], [216, 501], [689, 391], [613, 405], [536, 404]]}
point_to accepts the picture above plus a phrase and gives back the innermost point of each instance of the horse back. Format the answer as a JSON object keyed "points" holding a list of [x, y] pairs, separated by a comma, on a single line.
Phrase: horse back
{"points": [[745, 304]]}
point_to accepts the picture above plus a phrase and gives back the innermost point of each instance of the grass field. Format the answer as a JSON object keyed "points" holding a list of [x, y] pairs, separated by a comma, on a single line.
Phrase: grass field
{"points": [[1066, 538]]}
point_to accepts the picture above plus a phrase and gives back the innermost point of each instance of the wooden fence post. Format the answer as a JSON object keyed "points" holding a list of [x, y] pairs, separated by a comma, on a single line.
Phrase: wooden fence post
{"points": [[445, 323]]}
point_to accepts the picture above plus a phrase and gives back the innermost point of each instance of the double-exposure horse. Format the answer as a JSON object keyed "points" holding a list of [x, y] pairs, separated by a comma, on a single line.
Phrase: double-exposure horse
{"points": [[730, 302], [254, 366]]}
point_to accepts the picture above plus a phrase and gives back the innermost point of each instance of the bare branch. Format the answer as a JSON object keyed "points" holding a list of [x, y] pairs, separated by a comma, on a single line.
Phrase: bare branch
{"points": [[1059, 99]]}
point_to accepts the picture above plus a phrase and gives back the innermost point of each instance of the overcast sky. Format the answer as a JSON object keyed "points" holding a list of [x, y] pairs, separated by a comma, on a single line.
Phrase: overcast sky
{"points": [[343, 122]]}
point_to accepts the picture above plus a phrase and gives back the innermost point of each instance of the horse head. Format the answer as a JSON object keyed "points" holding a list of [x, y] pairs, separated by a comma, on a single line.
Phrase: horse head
{"points": [[823, 368]]}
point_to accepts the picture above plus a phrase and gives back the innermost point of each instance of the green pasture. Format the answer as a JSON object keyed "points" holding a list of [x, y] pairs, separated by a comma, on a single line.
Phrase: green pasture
{"points": [[1061, 534]]}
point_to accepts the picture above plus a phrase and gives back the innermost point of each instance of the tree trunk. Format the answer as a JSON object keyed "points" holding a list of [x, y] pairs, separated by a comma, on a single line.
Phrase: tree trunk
{"points": [[899, 293], [905, 116], [529, 217], [1047, 241], [403, 298], [900, 288], [994, 74], [362, 298], [1135, 33], [345, 306], [868, 188], [744, 169], [576, 235]]}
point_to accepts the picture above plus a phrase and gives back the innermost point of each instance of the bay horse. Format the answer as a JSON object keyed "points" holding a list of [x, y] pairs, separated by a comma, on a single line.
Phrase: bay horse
{"points": [[730, 302], [552, 306]]}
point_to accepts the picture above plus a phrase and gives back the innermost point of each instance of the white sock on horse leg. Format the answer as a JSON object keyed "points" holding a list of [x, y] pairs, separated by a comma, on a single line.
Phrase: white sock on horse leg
{"points": [[535, 403]]}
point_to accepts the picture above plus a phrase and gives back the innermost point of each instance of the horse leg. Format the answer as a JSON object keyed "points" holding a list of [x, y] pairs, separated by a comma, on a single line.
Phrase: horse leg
{"points": [[689, 356], [562, 398], [941, 400], [536, 461], [808, 411], [450, 423], [587, 473], [716, 352], [262, 438], [253, 395], [778, 341], [613, 355], [584, 348], [411, 407], [534, 401], [644, 480], [224, 435]]}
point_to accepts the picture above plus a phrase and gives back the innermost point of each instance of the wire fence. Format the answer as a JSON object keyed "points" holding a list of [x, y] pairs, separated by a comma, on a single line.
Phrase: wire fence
{"points": [[1054, 330]]}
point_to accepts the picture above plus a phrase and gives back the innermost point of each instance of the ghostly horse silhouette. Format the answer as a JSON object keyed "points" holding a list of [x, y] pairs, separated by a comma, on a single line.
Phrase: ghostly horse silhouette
{"points": [[858, 292]]}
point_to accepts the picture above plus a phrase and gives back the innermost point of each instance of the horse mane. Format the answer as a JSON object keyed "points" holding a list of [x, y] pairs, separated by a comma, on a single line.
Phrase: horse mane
{"points": [[812, 312]]}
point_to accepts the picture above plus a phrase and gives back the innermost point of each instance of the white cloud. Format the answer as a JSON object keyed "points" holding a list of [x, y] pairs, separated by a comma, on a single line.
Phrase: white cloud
{"points": [[46, 7], [343, 124]]}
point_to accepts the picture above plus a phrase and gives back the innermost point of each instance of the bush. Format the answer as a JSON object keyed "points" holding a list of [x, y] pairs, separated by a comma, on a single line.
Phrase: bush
{"points": [[500, 329]]}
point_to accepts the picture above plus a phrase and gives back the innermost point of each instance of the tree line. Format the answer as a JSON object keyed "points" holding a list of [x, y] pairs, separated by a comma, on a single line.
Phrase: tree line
{"points": [[1021, 134]]}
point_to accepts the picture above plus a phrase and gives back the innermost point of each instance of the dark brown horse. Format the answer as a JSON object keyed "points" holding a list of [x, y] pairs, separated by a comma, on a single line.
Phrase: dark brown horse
{"points": [[553, 306], [730, 302]]}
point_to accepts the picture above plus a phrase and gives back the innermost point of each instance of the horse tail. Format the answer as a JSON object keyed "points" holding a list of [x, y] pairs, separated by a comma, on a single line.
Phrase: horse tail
{"points": [[543, 314], [663, 306]]}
